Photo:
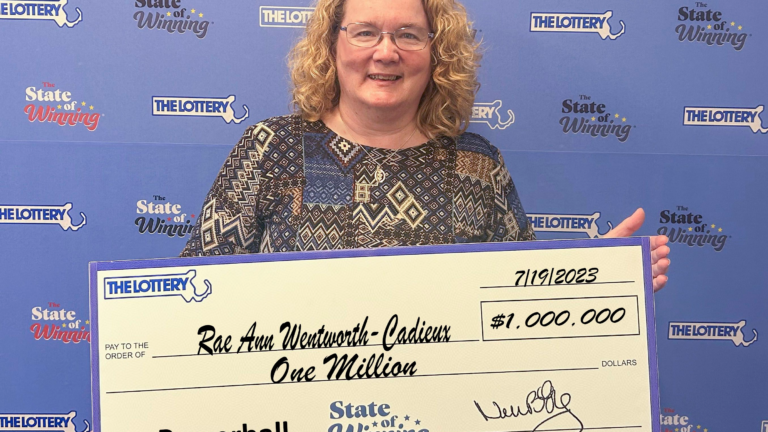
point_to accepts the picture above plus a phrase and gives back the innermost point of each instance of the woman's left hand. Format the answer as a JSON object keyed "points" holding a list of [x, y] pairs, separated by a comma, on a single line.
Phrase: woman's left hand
{"points": [[659, 248]]}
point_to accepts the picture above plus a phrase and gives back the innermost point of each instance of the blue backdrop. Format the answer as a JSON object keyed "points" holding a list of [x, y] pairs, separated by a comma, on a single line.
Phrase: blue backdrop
{"points": [[656, 105]]}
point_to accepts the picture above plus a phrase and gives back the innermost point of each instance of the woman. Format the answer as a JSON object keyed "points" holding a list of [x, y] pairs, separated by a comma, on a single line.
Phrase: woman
{"points": [[377, 153]]}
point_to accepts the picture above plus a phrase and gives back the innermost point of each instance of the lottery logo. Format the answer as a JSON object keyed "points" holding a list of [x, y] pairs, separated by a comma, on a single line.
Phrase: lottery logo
{"points": [[161, 216], [490, 114], [41, 422], [284, 16], [163, 285], [197, 107], [40, 214], [170, 16], [711, 116], [711, 331], [704, 25], [51, 10], [50, 104], [575, 23], [567, 223], [585, 116], [55, 323], [690, 228]]}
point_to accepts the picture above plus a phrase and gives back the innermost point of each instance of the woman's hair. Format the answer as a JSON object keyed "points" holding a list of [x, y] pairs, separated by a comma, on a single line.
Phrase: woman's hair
{"points": [[446, 105]]}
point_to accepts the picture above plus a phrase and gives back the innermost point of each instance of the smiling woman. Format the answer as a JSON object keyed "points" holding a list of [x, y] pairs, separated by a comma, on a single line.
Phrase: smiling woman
{"points": [[376, 153]]}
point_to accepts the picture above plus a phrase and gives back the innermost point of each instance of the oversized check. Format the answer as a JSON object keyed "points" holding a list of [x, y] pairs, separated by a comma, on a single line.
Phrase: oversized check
{"points": [[536, 336]]}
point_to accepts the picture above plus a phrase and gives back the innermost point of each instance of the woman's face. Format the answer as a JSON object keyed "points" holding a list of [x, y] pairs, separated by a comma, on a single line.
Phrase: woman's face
{"points": [[383, 76]]}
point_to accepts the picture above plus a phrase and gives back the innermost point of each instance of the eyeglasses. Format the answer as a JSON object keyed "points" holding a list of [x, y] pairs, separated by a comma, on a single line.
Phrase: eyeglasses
{"points": [[406, 38]]}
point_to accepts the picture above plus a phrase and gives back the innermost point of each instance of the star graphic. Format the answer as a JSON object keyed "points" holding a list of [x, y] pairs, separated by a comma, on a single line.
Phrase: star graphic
{"points": [[83, 103], [709, 26], [718, 230], [593, 118], [690, 229], [91, 107], [192, 215], [623, 119], [375, 424], [418, 422], [739, 27], [677, 429], [705, 429], [169, 219], [699, 426], [169, 13], [617, 115], [407, 418], [732, 23], [193, 11], [58, 106], [713, 225], [87, 322], [200, 15]]}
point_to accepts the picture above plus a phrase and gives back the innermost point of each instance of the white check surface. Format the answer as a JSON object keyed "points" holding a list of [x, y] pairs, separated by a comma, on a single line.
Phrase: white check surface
{"points": [[495, 373]]}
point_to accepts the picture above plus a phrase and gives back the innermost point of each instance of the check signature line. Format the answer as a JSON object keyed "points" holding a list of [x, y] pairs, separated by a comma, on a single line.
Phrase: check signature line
{"points": [[307, 349], [550, 284], [571, 429], [323, 381]]}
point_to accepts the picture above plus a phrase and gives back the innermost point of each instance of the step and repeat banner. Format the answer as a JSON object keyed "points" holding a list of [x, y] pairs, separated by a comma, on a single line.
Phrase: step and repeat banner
{"points": [[116, 116]]}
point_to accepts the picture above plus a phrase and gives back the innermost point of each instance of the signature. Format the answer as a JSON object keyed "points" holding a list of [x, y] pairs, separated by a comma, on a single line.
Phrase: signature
{"points": [[543, 398]]}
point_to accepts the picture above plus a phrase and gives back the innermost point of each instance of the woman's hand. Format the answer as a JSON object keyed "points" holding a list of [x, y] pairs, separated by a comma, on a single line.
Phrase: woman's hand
{"points": [[659, 248]]}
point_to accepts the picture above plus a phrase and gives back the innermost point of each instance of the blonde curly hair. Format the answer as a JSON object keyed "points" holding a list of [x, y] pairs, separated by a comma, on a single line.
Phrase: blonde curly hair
{"points": [[446, 105]]}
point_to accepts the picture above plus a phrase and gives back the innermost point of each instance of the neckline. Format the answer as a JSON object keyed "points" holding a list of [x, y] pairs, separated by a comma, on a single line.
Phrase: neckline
{"points": [[421, 146]]}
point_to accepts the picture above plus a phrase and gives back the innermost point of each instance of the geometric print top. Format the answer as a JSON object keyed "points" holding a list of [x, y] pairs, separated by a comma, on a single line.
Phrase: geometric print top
{"points": [[294, 185]]}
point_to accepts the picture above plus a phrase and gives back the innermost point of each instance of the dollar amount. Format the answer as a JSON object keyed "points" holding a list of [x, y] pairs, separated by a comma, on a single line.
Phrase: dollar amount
{"points": [[561, 318], [552, 318], [557, 277]]}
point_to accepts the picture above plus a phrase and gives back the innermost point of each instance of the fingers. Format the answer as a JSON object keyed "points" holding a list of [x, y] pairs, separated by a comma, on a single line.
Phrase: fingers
{"points": [[660, 253], [658, 241], [628, 226], [659, 282], [661, 267]]}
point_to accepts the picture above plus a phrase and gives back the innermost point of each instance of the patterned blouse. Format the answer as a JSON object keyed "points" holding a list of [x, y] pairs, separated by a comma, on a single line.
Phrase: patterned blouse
{"points": [[294, 185]]}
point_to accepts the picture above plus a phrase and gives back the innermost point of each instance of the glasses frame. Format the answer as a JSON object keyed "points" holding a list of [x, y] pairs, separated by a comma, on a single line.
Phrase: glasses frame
{"points": [[430, 36]]}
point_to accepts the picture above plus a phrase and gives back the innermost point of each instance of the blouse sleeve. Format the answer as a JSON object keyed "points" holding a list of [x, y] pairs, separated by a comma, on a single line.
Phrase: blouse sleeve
{"points": [[509, 221], [229, 222]]}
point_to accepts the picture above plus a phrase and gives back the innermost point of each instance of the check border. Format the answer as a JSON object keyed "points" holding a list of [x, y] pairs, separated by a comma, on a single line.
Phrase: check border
{"points": [[644, 242]]}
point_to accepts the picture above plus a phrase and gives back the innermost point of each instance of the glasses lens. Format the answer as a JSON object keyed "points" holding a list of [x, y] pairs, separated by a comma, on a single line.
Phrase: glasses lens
{"points": [[363, 35], [412, 38]]}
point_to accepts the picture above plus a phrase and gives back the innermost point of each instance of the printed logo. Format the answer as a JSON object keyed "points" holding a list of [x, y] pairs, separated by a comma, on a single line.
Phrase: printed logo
{"points": [[685, 227], [52, 10], [170, 17], [711, 331], [375, 417], [567, 223], [197, 107], [57, 215], [710, 116], [592, 118], [155, 286], [284, 16], [490, 114], [575, 23], [71, 112], [673, 422], [162, 217], [41, 422], [52, 322], [709, 27]]}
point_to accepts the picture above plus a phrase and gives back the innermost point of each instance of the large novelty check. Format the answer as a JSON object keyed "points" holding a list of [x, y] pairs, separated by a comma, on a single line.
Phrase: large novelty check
{"points": [[537, 336]]}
